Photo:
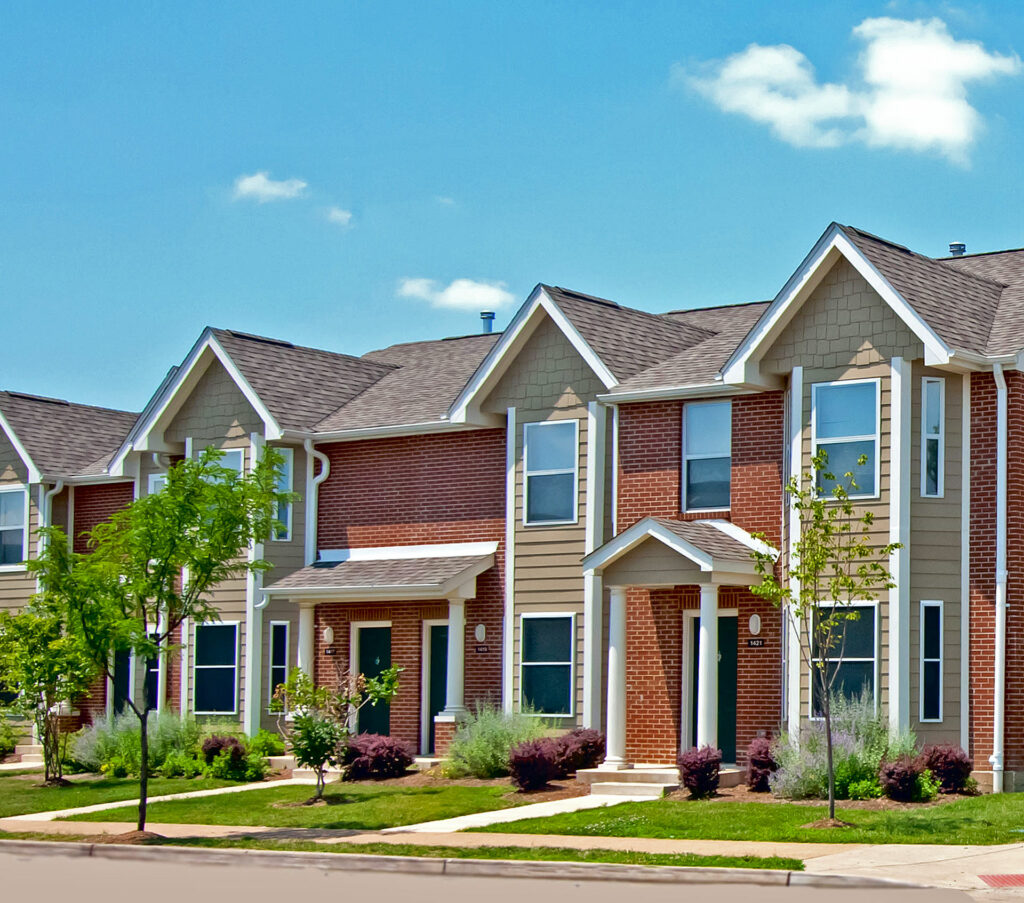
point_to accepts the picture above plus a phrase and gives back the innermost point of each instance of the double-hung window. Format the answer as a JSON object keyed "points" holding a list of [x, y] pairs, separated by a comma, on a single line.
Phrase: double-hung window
{"points": [[233, 459], [13, 521], [550, 453], [283, 510], [545, 677], [844, 422], [156, 483], [707, 455], [931, 660], [215, 669], [278, 655], [933, 453], [851, 656]]}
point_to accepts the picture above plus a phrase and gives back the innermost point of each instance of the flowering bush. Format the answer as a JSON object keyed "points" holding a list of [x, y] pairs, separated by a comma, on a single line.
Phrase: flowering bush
{"points": [[483, 742], [698, 770]]}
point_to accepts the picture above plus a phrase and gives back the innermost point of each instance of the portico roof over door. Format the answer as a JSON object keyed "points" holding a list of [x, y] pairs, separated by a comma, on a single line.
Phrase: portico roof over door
{"points": [[657, 551]]}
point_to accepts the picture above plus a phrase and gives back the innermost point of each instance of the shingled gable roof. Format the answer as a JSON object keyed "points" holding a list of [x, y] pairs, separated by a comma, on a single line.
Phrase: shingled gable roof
{"points": [[1007, 269], [60, 439]]}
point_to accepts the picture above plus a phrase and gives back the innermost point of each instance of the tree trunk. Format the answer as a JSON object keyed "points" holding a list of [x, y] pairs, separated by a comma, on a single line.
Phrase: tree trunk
{"points": [[143, 767], [827, 712]]}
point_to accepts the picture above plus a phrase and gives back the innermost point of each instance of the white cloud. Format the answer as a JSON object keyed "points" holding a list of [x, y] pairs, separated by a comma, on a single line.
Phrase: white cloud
{"points": [[910, 94], [261, 188], [342, 217], [460, 294], [445, 201]]}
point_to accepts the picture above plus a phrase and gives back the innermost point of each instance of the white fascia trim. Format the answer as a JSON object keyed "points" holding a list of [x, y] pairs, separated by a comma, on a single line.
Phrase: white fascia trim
{"points": [[374, 432], [804, 279], [734, 531], [34, 473], [404, 553], [695, 390], [638, 533], [495, 363]]}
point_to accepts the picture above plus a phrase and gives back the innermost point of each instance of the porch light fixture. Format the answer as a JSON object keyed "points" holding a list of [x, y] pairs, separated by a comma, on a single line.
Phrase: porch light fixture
{"points": [[480, 633], [754, 624], [328, 636]]}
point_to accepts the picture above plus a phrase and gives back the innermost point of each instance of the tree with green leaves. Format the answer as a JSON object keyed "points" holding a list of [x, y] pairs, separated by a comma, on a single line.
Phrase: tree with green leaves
{"points": [[48, 669], [152, 566], [321, 718], [833, 566]]}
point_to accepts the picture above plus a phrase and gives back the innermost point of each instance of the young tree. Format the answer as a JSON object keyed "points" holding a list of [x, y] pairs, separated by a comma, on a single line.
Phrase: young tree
{"points": [[48, 669], [833, 566], [153, 564], [322, 717]]}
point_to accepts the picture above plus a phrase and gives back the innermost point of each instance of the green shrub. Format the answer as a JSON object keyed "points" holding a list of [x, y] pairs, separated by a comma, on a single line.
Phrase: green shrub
{"points": [[868, 789], [483, 742], [181, 765], [927, 787], [228, 766], [266, 743], [111, 745], [8, 737]]}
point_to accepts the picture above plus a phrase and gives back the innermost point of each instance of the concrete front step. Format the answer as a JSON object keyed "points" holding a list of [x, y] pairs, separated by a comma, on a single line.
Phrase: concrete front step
{"points": [[632, 789], [29, 749], [31, 759], [663, 776]]}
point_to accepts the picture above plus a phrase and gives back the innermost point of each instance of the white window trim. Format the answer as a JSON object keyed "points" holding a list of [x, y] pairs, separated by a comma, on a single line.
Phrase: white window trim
{"points": [[425, 665], [571, 616], [17, 568], [353, 658], [527, 473], [289, 455], [932, 603], [241, 459], [874, 437], [151, 482], [195, 667], [871, 603], [270, 656], [940, 436], [691, 625], [687, 457]]}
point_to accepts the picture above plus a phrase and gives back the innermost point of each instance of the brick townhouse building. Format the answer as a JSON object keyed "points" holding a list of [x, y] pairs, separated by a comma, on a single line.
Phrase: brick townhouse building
{"points": [[560, 517]]}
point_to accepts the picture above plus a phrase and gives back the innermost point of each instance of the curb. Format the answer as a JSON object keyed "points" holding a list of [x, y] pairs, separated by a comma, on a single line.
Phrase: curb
{"points": [[477, 868]]}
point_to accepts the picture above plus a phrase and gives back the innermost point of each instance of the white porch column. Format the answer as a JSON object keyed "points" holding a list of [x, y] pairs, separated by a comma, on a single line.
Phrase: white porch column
{"points": [[307, 631], [615, 753], [707, 667], [455, 688]]}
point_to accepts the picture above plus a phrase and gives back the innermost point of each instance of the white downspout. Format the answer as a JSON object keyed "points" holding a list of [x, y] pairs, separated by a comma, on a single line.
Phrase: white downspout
{"points": [[312, 484], [999, 702], [44, 520]]}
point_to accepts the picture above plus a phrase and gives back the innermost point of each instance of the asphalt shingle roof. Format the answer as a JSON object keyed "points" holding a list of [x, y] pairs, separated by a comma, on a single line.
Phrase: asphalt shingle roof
{"points": [[1006, 268], [707, 538], [65, 439], [404, 573]]}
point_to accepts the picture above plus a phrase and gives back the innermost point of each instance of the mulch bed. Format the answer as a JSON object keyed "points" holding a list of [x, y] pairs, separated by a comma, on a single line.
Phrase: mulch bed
{"points": [[742, 794]]}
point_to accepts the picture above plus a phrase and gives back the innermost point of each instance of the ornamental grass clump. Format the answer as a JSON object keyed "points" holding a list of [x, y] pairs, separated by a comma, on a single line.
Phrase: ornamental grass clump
{"points": [[699, 771], [484, 741]]}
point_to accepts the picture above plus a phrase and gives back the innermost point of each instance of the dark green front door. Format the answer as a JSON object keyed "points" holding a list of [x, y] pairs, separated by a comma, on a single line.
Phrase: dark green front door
{"points": [[374, 656], [437, 682], [728, 638], [122, 679]]}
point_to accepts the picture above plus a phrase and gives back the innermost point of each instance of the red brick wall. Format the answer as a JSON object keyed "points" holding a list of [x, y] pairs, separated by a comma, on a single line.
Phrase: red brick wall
{"points": [[1014, 738], [410, 491], [649, 483], [94, 504]]}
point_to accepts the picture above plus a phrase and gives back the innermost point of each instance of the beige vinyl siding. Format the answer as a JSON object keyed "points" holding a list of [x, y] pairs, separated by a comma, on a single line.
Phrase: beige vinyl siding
{"points": [[845, 331], [548, 381], [16, 587], [935, 539]]}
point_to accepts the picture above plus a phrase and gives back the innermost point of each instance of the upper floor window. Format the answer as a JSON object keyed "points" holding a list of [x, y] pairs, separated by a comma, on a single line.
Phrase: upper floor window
{"points": [[283, 510], [233, 459], [13, 521], [844, 424], [933, 403], [156, 483], [852, 654], [546, 663], [550, 453], [707, 455]]}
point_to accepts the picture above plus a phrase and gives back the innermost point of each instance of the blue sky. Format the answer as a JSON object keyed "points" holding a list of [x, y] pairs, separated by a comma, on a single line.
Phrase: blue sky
{"points": [[325, 172]]}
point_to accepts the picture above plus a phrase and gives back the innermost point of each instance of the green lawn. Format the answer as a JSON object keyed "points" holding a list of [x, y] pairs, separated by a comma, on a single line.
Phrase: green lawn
{"points": [[981, 820], [533, 854], [24, 793], [364, 807]]}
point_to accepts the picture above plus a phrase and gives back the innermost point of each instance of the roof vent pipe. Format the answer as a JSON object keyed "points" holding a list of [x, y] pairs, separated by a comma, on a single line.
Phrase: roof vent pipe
{"points": [[957, 249], [487, 316]]}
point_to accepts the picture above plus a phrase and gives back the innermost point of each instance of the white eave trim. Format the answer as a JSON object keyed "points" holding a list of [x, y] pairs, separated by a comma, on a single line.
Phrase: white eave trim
{"points": [[373, 432], [207, 342], [34, 473], [497, 360], [695, 390], [742, 367], [404, 553]]}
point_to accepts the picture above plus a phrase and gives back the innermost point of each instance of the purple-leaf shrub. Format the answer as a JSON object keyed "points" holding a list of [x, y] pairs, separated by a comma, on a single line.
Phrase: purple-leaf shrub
{"points": [[761, 764], [899, 778], [950, 764], [698, 770], [218, 743], [532, 763], [375, 757], [580, 748]]}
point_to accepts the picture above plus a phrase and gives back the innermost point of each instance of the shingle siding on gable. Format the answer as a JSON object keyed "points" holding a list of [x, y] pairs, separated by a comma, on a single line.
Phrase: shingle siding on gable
{"points": [[214, 410], [12, 468], [844, 323]]}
